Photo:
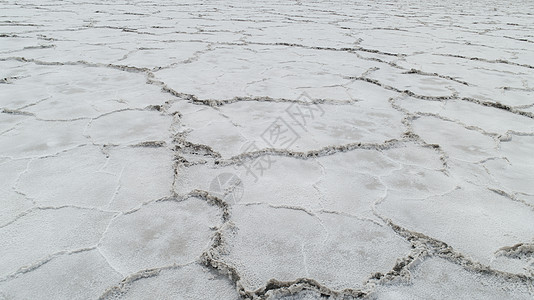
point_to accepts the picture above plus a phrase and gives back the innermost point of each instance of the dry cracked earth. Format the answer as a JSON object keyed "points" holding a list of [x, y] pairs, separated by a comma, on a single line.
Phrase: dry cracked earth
{"points": [[266, 149]]}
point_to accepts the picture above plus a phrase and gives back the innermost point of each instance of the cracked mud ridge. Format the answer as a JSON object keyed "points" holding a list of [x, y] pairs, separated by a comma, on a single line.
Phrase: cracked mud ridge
{"points": [[266, 149]]}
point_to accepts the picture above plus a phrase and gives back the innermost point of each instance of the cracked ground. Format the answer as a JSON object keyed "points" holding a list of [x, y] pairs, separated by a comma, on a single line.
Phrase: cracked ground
{"points": [[266, 149]]}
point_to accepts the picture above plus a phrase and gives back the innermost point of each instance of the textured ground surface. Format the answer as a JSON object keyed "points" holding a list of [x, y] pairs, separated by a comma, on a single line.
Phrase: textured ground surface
{"points": [[266, 149]]}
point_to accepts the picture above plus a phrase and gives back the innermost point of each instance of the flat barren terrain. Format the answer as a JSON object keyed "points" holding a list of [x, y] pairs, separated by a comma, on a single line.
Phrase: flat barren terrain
{"points": [[266, 149]]}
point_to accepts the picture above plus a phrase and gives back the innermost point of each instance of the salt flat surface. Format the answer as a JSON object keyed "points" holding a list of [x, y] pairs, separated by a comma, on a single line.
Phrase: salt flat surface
{"points": [[266, 149]]}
